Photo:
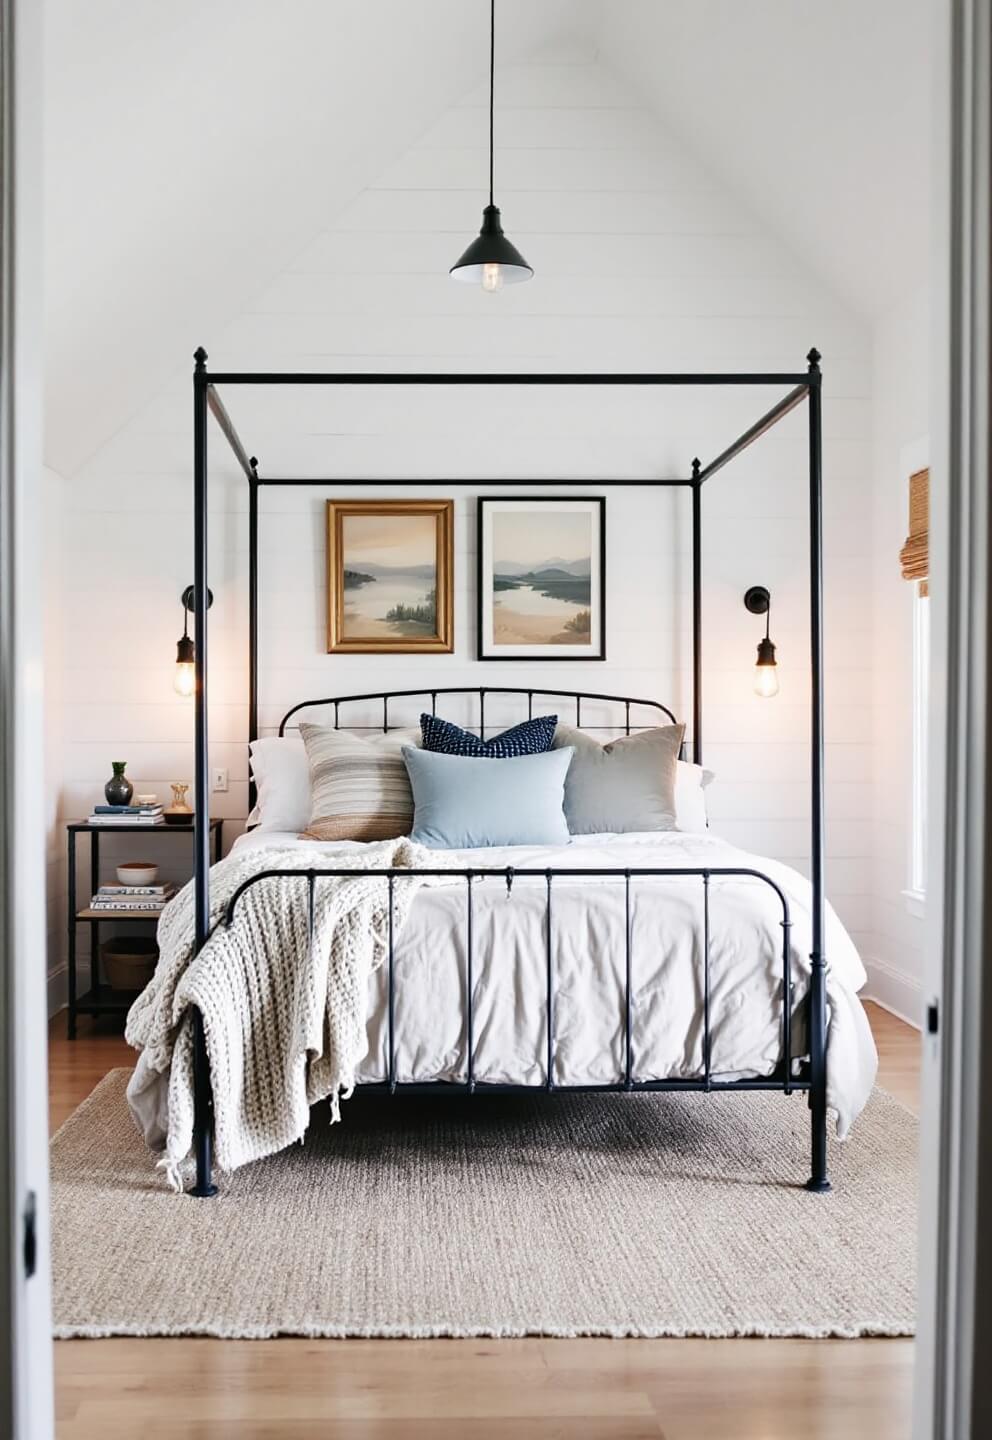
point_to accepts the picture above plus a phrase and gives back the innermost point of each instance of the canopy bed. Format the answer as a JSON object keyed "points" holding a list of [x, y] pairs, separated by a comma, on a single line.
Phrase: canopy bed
{"points": [[545, 886]]}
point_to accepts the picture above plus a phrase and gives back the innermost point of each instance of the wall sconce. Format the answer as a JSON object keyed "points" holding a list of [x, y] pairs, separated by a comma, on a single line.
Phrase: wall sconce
{"points": [[758, 601], [184, 680]]}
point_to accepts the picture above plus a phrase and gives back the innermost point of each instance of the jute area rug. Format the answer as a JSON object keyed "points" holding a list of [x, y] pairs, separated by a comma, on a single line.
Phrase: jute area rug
{"points": [[504, 1215]]}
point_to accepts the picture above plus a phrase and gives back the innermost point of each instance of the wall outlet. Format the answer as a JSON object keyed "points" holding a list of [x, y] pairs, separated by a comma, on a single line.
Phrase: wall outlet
{"points": [[220, 779]]}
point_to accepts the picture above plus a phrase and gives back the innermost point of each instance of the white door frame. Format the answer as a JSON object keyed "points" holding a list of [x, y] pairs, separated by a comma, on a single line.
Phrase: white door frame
{"points": [[954, 1395], [953, 1383], [26, 1411]]}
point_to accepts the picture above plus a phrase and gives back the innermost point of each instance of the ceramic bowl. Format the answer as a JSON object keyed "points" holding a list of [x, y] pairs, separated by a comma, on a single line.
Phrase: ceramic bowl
{"points": [[137, 872]]}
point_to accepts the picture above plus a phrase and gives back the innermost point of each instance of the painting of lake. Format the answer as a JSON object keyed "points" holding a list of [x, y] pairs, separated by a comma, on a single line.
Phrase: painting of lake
{"points": [[389, 566], [541, 580]]}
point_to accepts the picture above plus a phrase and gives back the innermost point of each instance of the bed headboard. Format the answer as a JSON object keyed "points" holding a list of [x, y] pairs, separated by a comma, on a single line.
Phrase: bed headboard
{"points": [[575, 697]]}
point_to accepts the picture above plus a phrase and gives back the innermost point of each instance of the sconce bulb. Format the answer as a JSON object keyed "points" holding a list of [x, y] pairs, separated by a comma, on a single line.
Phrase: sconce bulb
{"points": [[492, 277], [184, 680], [766, 681], [184, 676]]}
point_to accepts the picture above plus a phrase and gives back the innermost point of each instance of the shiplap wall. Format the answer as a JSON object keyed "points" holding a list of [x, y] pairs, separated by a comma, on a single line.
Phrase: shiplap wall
{"points": [[894, 948], [642, 263]]}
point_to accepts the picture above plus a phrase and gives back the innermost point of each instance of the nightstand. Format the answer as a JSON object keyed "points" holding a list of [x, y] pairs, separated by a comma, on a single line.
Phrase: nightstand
{"points": [[101, 999]]}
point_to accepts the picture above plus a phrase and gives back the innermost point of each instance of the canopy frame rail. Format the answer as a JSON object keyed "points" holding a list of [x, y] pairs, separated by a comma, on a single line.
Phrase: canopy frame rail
{"points": [[800, 386]]}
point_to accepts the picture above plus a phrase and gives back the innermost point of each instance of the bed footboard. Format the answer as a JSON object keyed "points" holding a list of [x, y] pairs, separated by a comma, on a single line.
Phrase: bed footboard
{"points": [[810, 1076]]}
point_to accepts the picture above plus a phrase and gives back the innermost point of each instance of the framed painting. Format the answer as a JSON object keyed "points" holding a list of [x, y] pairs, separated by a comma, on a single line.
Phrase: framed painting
{"points": [[389, 576], [542, 579]]}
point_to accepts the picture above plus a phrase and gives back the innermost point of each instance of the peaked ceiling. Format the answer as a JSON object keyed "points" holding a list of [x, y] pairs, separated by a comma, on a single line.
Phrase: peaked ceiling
{"points": [[816, 114], [194, 148]]}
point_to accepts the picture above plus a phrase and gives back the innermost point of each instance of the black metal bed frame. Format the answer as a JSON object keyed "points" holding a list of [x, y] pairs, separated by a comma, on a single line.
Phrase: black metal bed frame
{"points": [[810, 1074]]}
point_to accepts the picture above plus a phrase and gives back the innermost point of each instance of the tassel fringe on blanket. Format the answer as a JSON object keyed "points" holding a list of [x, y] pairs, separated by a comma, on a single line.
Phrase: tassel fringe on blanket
{"points": [[284, 1014]]}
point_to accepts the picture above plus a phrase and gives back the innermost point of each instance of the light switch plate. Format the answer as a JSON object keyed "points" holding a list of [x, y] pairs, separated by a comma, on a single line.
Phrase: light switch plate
{"points": [[220, 779]]}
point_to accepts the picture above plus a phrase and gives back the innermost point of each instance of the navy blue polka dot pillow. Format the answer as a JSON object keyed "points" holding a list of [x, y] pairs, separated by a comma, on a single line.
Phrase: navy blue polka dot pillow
{"points": [[532, 737]]}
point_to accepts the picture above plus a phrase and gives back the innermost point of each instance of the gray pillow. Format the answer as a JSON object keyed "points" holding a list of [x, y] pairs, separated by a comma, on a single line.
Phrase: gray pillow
{"points": [[466, 803], [626, 785]]}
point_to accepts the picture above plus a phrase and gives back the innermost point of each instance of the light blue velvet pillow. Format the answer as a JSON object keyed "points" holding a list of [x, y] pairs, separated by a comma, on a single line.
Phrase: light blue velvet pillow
{"points": [[464, 803]]}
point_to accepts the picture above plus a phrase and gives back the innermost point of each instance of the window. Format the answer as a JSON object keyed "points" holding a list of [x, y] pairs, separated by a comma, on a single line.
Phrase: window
{"points": [[921, 702], [914, 559]]}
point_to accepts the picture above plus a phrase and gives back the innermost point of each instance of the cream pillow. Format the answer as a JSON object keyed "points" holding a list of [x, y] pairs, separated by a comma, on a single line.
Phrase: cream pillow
{"points": [[359, 787]]}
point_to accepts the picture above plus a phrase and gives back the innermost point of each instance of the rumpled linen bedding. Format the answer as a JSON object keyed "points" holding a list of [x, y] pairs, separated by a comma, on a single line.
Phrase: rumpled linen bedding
{"points": [[334, 1029]]}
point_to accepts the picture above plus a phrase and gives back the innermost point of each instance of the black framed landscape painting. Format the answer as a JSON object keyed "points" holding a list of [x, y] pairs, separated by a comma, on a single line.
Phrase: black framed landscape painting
{"points": [[542, 578]]}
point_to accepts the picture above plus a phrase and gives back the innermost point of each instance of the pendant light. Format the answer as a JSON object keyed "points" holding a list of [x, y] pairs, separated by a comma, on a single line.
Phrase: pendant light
{"points": [[491, 261], [758, 601]]}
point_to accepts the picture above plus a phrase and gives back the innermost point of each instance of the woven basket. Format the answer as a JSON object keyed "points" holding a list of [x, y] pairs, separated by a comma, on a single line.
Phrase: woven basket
{"points": [[128, 961]]}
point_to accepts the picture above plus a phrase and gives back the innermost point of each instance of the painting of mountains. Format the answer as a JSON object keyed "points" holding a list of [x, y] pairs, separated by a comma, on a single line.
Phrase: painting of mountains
{"points": [[541, 579], [389, 575]]}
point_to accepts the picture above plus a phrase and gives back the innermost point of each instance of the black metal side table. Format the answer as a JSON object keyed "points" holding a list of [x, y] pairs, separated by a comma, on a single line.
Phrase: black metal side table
{"points": [[100, 998]]}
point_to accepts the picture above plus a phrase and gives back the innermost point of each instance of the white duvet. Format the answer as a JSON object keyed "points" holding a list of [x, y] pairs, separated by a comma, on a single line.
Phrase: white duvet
{"points": [[588, 956]]}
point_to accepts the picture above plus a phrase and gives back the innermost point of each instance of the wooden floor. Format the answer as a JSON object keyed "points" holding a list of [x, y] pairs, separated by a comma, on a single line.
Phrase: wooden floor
{"points": [[486, 1390]]}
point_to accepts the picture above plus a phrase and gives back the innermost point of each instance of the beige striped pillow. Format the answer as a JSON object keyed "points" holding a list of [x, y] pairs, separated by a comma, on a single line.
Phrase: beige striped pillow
{"points": [[359, 788]]}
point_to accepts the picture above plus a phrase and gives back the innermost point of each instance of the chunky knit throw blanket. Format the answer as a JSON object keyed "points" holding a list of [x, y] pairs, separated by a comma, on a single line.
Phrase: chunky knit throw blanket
{"points": [[284, 1012]]}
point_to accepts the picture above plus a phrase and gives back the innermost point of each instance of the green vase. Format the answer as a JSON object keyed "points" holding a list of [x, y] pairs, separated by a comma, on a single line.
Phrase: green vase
{"points": [[118, 788]]}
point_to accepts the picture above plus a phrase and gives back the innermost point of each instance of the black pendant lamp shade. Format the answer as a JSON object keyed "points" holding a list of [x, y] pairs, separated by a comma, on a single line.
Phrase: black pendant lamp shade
{"points": [[491, 261]]}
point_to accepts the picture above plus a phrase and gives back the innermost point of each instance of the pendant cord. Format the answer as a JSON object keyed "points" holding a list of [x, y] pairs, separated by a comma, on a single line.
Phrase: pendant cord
{"points": [[492, 85]]}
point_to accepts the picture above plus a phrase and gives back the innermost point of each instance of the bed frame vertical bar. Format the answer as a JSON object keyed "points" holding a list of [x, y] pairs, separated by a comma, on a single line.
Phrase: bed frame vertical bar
{"points": [[469, 982], [392, 991], [697, 614], [628, 941], [202, 1101], [550, 1082], [707, 1051], [819, 1179], [787, 999]]}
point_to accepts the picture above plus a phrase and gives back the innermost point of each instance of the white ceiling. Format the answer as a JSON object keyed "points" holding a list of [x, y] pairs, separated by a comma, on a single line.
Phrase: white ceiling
{"points": [[194, 148], [817, 112]]}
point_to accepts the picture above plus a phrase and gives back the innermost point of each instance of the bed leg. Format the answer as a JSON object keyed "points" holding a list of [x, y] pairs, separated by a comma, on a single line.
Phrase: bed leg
{"points": [[819, 1180], [202, 1110]]}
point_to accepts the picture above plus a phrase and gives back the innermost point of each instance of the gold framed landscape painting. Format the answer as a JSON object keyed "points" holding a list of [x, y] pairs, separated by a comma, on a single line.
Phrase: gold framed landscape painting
{"points": [[389, 576], [542, 578]]}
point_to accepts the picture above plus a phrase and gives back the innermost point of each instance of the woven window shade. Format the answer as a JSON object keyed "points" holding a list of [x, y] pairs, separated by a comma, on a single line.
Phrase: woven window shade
{"points": [[914, 557]]}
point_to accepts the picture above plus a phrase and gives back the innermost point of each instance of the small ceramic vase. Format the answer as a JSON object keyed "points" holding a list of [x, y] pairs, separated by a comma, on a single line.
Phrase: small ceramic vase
{"points": [[118, 788]]}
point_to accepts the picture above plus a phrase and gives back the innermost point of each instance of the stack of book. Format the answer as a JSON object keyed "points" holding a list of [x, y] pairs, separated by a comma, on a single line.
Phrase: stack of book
{"points": [[132, 897], [127, 815]]}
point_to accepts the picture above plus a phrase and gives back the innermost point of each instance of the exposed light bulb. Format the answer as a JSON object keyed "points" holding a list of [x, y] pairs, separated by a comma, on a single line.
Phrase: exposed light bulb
{"points": [[184, 680], [492, 277], [766, 680]]}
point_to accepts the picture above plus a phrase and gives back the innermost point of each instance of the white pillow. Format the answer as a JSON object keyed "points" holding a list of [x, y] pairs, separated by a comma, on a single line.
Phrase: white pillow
{"points": [[690, 801], [282, 779]]}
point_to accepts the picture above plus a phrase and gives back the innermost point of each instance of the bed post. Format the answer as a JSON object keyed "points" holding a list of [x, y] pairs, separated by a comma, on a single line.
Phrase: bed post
{"points": [[697, 614], [819, 1180], [202, 1102], [252, 615]]}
